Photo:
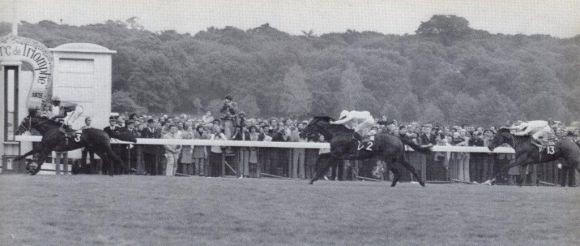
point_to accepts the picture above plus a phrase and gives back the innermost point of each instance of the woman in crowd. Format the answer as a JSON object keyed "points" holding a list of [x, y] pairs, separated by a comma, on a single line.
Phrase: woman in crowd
{"points": [[186, 160], [253, 155], [200, 152], [216, 152]]}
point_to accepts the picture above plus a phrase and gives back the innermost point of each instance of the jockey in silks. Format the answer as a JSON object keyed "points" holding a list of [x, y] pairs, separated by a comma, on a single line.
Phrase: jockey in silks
{"points": [[359, 121], [67, 111], [540, 130]]}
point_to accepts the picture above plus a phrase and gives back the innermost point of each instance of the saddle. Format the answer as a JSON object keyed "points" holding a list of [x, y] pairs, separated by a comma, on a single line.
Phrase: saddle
{"points": [[365, 143], [546, 144], [72, 134]]}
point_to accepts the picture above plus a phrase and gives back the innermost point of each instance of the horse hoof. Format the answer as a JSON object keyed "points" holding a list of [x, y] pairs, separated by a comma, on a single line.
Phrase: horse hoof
{"points": [[422, 183]]}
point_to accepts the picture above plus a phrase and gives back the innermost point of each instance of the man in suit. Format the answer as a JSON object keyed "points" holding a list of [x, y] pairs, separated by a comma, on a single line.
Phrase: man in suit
{"points": [[150, 152]]}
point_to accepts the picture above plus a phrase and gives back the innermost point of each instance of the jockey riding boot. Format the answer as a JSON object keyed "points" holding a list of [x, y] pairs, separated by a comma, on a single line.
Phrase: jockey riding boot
{"points": [[357, 136], [539, 143]]}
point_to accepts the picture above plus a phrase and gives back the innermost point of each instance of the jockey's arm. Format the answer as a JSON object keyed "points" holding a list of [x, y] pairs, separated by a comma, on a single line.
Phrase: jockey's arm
{"points": [[342, 121], [61, 114]]}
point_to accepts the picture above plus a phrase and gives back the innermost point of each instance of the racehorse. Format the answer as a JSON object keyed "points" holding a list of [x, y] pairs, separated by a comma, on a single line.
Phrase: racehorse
{"points": [[344, 147], [528, 153], [53, 139]]}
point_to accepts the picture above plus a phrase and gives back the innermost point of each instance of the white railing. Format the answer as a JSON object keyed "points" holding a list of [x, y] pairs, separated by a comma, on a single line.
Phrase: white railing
{"points": [[263, 144]]}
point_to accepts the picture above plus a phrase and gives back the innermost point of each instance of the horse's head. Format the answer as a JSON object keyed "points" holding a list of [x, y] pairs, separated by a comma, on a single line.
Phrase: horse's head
{"points": [[315, 126], [24, 126], [34, 121], [28, 121], [503, 136]]}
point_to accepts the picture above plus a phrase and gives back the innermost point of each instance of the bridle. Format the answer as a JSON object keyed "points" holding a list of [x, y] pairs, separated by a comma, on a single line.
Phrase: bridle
{"points": [[26, 128]]}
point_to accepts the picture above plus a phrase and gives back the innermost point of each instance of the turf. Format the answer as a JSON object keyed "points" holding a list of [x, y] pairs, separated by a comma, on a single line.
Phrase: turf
{"points": [[147, 210]]}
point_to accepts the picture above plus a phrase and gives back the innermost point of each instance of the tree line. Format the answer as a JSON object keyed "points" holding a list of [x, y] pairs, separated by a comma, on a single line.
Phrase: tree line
{"points": [[445, 72]]}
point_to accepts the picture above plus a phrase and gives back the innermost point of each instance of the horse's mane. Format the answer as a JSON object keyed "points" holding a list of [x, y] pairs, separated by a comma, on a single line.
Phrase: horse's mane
{"points": [[324, 118], [503, 129], [328, 119], [46, 120]]}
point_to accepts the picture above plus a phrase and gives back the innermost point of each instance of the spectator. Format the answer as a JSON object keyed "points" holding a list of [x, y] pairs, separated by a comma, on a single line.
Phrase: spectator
{"points": [[229, 116], [207, 118], [427, 136], [151, 152], [216, 153], [200, 152], [128, 155], [86, 151], [113, 125], [172, 151], [460, 160], [186, 159], [253, 155], [244, 152]]}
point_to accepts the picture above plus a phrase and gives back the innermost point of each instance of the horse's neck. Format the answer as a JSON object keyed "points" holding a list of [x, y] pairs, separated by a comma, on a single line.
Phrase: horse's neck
{"points": [[519, 141], [334, 130], [44, 127]]}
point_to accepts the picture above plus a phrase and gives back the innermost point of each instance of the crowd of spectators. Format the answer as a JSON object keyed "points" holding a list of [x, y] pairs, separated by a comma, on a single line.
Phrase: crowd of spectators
{"points": [[233, 124]]}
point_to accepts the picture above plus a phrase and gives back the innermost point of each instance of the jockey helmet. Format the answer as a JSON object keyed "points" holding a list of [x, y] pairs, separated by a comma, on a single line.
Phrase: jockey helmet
{"points": [[343, 114], [55, 99]]}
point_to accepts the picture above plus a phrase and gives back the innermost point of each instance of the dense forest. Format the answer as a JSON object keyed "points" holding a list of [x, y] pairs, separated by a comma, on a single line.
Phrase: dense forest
{"points": [[446, 72]]}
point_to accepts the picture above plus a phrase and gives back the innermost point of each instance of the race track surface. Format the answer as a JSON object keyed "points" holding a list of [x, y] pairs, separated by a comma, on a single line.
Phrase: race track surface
{"points": [[149, 210]]}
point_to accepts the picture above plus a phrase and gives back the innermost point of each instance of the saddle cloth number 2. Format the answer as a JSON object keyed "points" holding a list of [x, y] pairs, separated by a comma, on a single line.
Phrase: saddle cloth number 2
{"points": [[368, 147]]}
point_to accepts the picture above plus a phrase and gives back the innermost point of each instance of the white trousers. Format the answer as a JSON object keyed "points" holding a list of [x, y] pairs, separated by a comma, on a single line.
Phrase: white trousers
{"points": [[364, 127], [71, 117], [171, 163], [543, 133]]}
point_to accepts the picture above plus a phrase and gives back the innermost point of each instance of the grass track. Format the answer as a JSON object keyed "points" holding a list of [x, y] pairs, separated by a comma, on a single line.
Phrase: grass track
{"points": [[145, 210]]}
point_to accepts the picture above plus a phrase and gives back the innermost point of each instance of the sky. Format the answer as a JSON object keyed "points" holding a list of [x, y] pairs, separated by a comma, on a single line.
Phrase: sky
{"points": [[559, 18]]}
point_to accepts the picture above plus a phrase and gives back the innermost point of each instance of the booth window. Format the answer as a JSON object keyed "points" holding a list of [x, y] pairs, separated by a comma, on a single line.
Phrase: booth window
{"points": [[11, 102]]}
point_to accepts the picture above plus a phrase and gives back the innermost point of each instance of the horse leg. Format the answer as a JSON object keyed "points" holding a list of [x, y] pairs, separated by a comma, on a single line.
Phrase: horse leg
{"points": [[32, 152], [118, 160], [107, 164], [409, 167], [396, 176], [41, 158], [324, 160]]}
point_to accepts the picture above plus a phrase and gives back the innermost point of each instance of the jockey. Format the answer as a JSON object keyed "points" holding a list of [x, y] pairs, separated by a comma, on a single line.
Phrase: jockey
{"points": [[359, 121], [540, 130], [69, 112]]}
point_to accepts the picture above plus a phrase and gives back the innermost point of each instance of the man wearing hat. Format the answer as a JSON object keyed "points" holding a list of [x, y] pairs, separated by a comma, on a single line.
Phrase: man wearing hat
{"points": [[151, 152], [390, 126]]}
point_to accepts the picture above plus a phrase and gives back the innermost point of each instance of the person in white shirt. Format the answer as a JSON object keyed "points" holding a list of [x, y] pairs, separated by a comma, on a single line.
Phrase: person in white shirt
{"points": [[359, 121], [540, 130]]}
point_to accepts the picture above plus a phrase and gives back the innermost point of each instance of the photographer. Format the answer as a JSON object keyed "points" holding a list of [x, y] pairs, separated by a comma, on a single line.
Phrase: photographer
{"points": [[229, 116]]}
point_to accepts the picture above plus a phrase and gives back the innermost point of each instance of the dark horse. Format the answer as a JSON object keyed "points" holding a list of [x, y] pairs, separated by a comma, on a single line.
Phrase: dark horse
{"points": [[528, 153], [344, 147], [54, 140]]}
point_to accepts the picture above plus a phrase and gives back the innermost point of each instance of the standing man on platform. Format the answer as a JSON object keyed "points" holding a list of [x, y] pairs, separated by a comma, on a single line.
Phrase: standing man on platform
{"points": [[229, 113]]}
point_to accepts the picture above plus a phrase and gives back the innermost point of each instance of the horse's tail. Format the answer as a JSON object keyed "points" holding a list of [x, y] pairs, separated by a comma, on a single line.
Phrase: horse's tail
{"points": [[416, 147]]}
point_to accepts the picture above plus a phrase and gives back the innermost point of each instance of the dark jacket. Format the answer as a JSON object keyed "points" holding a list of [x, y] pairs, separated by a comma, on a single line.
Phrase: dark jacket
{"points": [[147, 133], [242, 136], [427, 139]]}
